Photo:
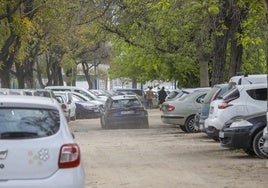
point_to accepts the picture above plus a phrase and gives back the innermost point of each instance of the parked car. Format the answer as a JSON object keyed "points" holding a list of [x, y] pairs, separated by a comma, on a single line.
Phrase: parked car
{"points": [[85, 109], [4, 91], [216, 91], [68, 104], [124, 111], [248, 79], [240, 100], [80, 90], [37, 148], [182, 111], [245, 132], [176, 94]]}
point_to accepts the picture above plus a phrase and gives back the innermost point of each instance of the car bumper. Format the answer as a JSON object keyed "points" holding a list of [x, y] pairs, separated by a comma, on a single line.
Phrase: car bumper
{"points": [[212, 132], [214, 122], [175, 120], [212, 127], [127, 122], [67, 178], [235, 138]]}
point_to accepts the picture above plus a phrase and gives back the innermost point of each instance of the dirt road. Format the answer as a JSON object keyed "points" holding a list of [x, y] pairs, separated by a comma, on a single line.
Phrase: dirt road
{"points": [[162, 157]]}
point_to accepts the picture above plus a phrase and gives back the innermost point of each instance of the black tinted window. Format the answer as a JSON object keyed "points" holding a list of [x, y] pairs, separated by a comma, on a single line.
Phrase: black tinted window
{"points": [[258, 94], [18, 123], [125, 103]]}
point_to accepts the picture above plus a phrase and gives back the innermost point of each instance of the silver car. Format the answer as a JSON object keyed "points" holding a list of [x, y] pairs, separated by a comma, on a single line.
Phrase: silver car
{"points": [[182, 111]]}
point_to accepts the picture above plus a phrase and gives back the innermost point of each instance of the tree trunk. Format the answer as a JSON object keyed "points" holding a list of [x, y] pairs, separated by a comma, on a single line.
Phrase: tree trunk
{"points": [[86, 72], [204, 79], [238, 15], [220, 44], [134, 83], [5, 77]]}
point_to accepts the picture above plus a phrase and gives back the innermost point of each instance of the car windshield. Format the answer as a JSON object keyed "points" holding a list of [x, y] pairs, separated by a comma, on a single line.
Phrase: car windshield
{"points": [[18, 123]]}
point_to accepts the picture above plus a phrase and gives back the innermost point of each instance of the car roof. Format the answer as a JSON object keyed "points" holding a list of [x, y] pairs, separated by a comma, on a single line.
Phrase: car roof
{"points": [[249, 86], [28, 101]]}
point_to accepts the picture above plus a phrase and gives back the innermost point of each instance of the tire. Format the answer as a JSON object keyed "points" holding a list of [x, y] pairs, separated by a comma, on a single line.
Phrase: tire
{"points": [[183, 128], [249, 152], [190, 125], [257, 145]]}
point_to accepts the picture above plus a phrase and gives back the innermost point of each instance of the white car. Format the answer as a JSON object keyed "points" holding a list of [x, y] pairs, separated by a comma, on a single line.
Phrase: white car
{"points": [[37, 148], [65, 97], [80, 90], [183, 110], [240, 100]]}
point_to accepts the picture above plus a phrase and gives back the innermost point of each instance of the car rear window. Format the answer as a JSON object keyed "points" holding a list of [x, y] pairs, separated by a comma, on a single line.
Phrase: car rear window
{"points": [[21, 123], [125, 103], [231, 94]]}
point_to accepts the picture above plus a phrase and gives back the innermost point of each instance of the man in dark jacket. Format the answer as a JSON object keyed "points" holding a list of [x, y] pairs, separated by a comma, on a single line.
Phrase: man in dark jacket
{"points": [[161, 96]]}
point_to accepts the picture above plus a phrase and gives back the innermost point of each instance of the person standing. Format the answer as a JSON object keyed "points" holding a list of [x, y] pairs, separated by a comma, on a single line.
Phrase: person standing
{"points": [[149, 97], [161, 97]]}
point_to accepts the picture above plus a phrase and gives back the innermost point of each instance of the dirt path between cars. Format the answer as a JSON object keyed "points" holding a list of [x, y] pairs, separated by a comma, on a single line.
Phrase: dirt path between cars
{"points": [[162, 157]]}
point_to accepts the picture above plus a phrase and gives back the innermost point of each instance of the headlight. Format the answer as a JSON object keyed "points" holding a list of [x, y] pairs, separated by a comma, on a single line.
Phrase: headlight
{"points": [[241, 123]]}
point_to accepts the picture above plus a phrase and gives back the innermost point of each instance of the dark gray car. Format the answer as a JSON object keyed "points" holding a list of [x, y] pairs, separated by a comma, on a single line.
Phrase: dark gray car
{"points": [[213, 94]]}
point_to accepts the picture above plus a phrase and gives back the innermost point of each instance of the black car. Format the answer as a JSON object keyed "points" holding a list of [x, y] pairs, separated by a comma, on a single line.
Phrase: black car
{"points": [[86, 109], [124, 111], [245, 133]]}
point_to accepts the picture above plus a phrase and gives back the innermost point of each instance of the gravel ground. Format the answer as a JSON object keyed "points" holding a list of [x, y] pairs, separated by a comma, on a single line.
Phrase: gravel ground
{"points": [[162, 157]]}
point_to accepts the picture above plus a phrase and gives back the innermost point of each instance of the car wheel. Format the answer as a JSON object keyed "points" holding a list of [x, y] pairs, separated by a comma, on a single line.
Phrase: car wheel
{"points": [[257, 145], [189, 125], [183, 128], [249, 152]]}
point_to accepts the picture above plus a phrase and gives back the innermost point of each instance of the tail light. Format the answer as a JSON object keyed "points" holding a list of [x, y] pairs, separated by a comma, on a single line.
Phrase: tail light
{"points": [[69, 156], [169, 107], [63, 106], [226, 104]]}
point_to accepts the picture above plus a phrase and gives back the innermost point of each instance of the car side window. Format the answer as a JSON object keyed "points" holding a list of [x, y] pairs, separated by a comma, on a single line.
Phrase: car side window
{"points": [[200, 99], [258, 94]]}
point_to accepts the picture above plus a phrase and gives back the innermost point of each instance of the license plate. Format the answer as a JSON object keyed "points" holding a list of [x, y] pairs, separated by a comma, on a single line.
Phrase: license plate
{"points": [[127, 112], [221, 134]]}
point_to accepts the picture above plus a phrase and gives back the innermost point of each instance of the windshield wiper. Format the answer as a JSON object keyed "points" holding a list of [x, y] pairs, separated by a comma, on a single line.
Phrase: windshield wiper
{"points": [[17, 135]]}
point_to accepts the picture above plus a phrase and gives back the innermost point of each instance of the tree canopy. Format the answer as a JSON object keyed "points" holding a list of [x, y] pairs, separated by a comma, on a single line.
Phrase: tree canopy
{"points": [[195, 43]]}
